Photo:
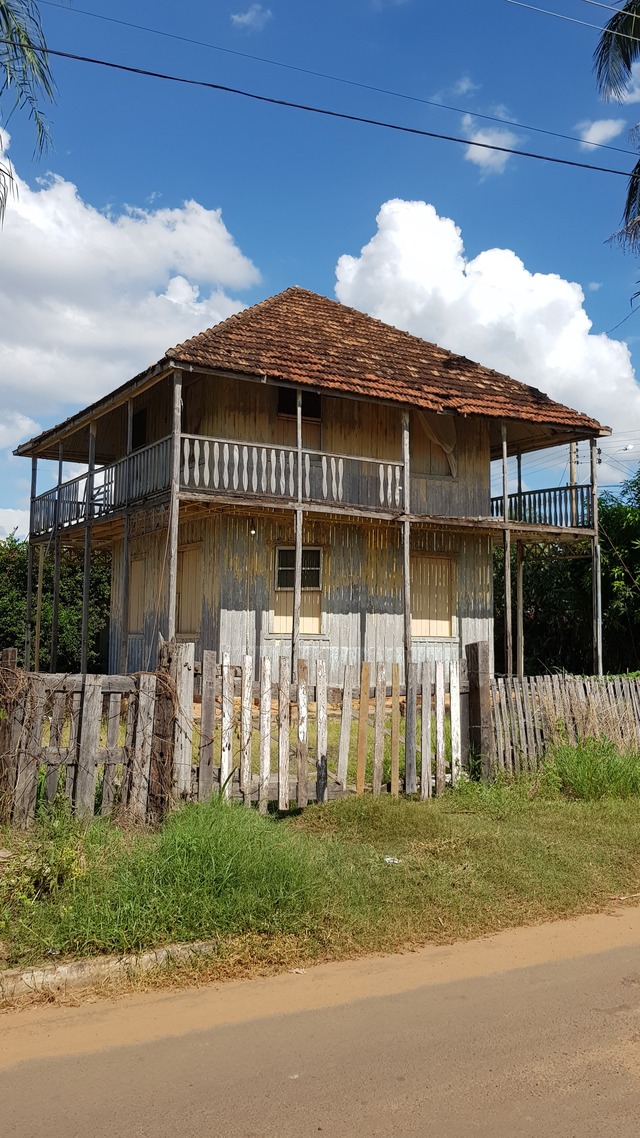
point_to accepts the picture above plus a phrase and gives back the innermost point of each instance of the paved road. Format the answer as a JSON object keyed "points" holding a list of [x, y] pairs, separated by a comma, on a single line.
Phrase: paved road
{"points": [[530, 1033]]}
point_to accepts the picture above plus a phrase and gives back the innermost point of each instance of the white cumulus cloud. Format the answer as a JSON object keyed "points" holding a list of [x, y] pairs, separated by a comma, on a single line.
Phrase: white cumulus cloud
{"points": [[414, 274], [87, 299], [489, 161], [599, 132], [253, 20]]}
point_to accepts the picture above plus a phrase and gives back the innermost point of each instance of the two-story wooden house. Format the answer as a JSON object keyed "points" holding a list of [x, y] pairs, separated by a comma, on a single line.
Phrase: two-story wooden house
{"points": [[305, 479]]}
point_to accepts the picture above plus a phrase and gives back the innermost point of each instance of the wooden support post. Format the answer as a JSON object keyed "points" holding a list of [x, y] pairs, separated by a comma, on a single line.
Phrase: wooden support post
{"points": [[297, 592], [174, 505], [406, 547], [298, 521], [123, 650], [573, 480], [480, 726], [55, 607], [27, 616], [519, 609], [86, 774], [596, 577], [519, 468], [86, 568], [36, 643], [506, 538]]}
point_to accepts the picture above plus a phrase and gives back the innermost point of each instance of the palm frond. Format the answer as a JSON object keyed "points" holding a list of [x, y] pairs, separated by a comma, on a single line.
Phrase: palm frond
{"points": [[617, 50]]}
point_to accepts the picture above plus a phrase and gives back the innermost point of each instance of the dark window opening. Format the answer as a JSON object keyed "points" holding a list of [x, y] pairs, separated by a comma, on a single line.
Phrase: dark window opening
{"points": [[139, 429], [287, 403], [311, 568]]}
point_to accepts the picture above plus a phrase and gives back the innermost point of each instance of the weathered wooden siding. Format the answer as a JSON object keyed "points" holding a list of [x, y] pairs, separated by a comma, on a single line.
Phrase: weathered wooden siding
{"points": [[362, 604]]}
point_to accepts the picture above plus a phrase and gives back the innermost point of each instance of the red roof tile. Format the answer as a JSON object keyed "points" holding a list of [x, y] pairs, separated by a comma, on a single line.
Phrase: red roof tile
{"points": [[302, 338]]}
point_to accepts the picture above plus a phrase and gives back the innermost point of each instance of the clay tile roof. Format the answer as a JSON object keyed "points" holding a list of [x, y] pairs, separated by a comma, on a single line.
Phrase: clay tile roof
{"points": [[302, 338]]}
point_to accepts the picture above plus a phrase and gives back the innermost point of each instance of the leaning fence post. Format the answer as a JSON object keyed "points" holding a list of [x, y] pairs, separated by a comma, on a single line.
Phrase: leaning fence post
{"points": [[481, 742], [321, 722], [183, 655]]}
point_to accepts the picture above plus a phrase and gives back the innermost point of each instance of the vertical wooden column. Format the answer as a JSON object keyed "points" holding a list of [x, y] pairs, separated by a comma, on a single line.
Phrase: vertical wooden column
{"points": [[56, 572], [86, 578], [519, 609], [123, 654], [174, 505], [27, 615], [297, 579], [596, 579], [406, 547], [573, 480], [481, 744], [506, 541], [36, 644]]}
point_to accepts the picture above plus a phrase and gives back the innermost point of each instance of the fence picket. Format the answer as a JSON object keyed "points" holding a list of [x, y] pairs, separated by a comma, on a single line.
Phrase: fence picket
{"points": [[395, 729], [345, 724], [207, 726], [410, 772], [283, 733], [227, 727], [378, 741], [454, 705], [183, 662], [245, 729], [58, 710], [425, 731], [141, 758], [302, 796], [363, 723], [322, 732], [265, 734], [440, 746], [109, 775], [85, 784]]}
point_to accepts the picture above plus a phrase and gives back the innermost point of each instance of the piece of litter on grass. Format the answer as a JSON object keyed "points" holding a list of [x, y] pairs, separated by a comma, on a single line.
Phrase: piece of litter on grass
{"points": [[300, 971], [392, 860]]}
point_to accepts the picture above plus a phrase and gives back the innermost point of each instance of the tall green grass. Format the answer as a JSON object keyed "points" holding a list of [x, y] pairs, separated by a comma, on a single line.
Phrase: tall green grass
{"points": [[592, 769]]}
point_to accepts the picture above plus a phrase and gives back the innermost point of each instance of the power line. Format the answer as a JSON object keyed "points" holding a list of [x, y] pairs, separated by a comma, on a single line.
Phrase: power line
{"points": [[573, 20], [324, 111], [337, 78]]}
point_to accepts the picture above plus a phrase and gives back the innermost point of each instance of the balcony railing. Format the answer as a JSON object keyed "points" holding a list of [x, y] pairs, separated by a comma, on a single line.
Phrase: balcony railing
{"points": [[130, 479], [226, 467], [563, 506]]}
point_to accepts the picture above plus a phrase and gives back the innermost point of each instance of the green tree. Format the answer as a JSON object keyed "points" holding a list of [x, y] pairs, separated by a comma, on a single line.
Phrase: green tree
{"points": [[25, 76], [617, 50], [13, 592]]}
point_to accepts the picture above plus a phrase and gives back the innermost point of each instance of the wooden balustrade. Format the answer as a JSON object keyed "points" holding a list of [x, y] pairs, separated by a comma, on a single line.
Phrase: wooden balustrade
{"points": [[566, 506]]}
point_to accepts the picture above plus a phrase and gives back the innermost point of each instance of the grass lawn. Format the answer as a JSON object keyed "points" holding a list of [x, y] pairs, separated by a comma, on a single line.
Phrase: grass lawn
{"points": [[277, 892]]}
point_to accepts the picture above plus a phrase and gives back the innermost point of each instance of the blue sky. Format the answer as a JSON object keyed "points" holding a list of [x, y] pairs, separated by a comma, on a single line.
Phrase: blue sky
{"points": [[98, 280]]}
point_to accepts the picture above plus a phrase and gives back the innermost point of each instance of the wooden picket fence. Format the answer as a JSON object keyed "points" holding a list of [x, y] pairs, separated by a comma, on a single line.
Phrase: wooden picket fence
{"points": [[140, 743], [531, 713]]}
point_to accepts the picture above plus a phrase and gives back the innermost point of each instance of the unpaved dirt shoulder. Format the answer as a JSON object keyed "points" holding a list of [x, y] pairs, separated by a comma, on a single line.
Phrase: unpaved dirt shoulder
{"points": [[53, 1031]]}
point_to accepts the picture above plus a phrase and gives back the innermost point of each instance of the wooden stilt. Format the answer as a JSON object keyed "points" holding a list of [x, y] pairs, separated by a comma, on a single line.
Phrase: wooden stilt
{"points": [[506, 538], [298, 521], [596, 577], [406, 549], [53, 661], [86, 578], [123, 652], [27, 615], [174, 506], [36, 643]]}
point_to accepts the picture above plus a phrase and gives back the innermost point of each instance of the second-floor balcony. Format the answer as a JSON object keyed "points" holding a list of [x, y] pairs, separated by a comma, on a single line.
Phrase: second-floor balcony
{"points": [[230, 469]]}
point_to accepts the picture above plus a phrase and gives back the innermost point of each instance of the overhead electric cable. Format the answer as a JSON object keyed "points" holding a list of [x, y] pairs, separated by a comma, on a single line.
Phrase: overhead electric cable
{"points": [[339, 79], [342, 115], [572, 20]]}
